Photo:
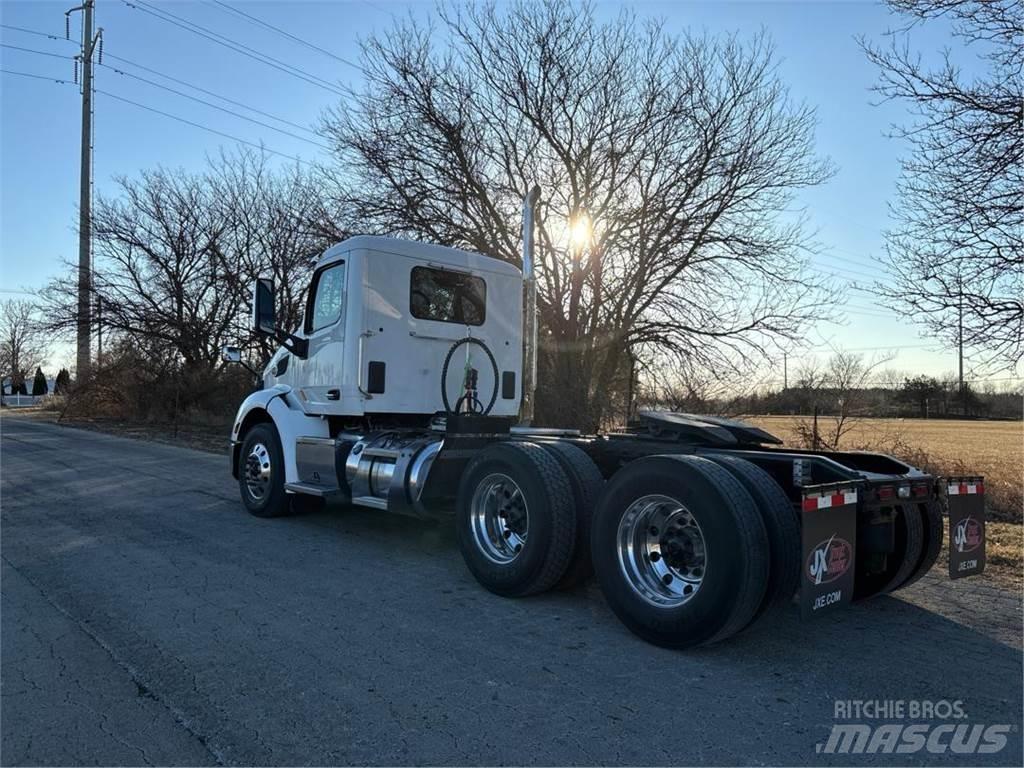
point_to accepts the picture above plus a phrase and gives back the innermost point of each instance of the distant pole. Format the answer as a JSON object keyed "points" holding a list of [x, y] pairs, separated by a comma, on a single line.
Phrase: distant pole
{"points": [[99, 332], [629, 389], [785, 372], [963, 392], [85, 187]]}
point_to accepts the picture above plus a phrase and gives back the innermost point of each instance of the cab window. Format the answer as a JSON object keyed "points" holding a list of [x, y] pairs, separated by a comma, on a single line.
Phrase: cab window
{"points": [[447, 296], [327, 297]]}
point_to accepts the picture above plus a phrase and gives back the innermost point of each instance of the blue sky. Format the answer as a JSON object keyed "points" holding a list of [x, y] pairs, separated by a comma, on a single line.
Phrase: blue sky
{"points": [[39, 120]]}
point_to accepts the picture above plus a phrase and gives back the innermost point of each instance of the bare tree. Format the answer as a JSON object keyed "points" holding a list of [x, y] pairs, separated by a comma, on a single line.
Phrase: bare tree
{"points": [[275, 226], [22, 340], [957, 247], [671, 160], [176, 254], [840, 389]]}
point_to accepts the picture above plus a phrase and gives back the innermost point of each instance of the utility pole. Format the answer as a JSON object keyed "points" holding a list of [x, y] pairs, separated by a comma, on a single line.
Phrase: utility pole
{"points": [[89, 42], [960, 297], [99, 332], [785, 372]]}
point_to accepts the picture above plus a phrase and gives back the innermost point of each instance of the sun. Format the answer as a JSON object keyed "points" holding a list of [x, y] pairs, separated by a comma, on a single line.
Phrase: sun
{"points": [[580, 231]]}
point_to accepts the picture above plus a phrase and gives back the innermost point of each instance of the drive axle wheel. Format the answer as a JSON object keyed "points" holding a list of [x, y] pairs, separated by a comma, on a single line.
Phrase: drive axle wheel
{"points": [[901, 562], [782, 527], [261, 476], [587, 483], [931, 518], [680, 550], [515, 519]]}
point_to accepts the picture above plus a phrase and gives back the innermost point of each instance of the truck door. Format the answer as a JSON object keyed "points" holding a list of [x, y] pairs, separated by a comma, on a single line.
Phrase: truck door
{"points": [[319, 377]]}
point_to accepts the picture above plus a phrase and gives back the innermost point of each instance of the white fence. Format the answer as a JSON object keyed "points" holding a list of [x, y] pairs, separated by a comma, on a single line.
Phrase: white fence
{"points": [[22, 401]]}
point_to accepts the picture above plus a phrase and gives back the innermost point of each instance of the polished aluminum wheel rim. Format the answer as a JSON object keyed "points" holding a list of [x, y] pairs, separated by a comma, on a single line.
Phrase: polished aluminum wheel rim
{"points": [[661, 551], [257, 471], [500, 519]]}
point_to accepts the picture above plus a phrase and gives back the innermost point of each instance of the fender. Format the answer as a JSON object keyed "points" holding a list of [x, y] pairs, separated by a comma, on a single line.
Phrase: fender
{"points": [[280, 406]]}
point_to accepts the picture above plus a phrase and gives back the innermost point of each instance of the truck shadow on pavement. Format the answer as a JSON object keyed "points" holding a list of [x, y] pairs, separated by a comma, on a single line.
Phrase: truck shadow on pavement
{"points": [[780, 673]]}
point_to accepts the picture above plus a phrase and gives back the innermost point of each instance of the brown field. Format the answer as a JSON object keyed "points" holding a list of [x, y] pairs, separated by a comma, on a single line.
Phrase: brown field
{"points": [[994, 449]]}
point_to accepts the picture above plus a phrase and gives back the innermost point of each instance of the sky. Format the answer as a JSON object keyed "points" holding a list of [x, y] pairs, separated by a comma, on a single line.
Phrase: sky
{"points": [[819, 56]]}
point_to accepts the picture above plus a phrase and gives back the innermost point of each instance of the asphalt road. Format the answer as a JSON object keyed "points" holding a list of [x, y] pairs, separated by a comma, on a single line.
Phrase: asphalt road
{"points": [[147, 619]]}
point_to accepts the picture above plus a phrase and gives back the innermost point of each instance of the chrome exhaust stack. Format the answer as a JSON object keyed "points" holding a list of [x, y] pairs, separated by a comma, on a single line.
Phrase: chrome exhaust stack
{"points": [[529, 311]]}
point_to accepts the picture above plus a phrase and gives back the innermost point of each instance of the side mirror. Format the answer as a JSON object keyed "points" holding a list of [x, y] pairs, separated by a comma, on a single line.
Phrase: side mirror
{"points": [[231, 354], [263, 306]]}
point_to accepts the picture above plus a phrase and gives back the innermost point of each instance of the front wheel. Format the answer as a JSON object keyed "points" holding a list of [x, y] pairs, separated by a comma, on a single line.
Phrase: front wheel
{"points": [[261, 474]]}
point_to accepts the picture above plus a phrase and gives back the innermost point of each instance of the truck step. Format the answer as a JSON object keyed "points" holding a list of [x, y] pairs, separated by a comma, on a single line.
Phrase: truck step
{"points": [[311, 489], [374, 502]]}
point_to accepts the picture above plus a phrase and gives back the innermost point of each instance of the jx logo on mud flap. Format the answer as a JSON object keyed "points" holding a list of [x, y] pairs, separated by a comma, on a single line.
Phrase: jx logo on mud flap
{"points": [[967, 535], [829, 560]]}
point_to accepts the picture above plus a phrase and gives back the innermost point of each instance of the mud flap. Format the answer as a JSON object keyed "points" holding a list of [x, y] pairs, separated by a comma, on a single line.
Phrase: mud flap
{"points": [[829, 515], [965, 500]]}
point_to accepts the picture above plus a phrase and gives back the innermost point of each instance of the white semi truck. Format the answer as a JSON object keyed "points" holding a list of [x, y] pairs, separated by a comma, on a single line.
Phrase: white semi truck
{"points": [[409, 389]]}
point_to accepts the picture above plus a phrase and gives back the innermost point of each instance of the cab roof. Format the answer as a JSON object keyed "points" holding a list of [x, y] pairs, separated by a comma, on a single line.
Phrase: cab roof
{"points": [[437, 254]]}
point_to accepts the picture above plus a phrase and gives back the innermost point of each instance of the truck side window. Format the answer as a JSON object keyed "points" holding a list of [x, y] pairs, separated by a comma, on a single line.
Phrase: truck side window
{"points": [[446, 296], [328, 298]]}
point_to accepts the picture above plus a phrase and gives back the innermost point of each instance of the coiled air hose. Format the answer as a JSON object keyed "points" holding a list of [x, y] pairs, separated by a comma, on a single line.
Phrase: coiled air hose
{"points": [[476, 406]]}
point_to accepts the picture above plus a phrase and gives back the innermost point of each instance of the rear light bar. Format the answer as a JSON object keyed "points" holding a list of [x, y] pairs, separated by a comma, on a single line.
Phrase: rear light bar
{"points": [[905, 491]]}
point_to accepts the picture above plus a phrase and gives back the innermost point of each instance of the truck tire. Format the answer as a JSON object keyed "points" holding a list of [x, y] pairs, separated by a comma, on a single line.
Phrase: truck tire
{"points": [[680, 550], [783, 533], [261, 472], [934, 530], [515, 519], [902, 562], [586, 482]]}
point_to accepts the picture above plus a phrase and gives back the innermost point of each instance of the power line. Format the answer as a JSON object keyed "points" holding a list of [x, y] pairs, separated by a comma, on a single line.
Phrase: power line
{"points": [[37, 77], [164, 75], [33, 50], [289, 35], [208, 93], [35, 32], [233, 45], [215, 106], [261, 147], [853, 266], [202, 127]]}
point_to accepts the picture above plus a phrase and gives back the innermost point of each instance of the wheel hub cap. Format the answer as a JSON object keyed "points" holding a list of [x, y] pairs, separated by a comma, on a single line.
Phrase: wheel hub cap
{"points": [[500, 518], [257, 471], [661, 550]]}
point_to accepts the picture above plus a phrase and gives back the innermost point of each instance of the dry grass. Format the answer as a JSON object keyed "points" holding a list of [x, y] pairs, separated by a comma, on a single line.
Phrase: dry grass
{"points": [[1004, 550]]}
